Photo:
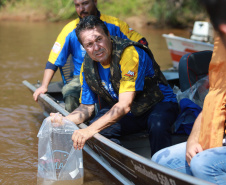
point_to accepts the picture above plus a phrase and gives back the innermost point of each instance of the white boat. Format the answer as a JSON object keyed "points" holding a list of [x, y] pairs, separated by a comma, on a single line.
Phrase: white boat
{"points": [[200, 40]]}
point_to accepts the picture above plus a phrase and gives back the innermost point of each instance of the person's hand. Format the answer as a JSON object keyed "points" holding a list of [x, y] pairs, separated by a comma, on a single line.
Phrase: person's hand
{"points": [[56, 119], [192, 149], [40, 90], [80, 136]]}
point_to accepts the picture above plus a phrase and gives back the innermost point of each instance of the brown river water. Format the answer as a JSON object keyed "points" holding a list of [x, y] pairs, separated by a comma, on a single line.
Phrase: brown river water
{"points": [[24, 50]]}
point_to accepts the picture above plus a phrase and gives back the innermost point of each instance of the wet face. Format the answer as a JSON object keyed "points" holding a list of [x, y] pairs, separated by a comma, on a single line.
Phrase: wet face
{"points": [[97, 44], [85, 7]]}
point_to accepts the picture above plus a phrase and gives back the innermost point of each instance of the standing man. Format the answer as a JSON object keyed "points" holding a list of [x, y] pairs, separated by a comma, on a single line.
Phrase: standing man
{"points": [[125, 75], [204, 154], [67, 44]]}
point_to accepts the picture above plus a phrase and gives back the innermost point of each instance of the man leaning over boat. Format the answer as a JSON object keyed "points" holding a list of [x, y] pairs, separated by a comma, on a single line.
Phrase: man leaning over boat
{"points": [[133, 91], [204, 154], [67, 44]]}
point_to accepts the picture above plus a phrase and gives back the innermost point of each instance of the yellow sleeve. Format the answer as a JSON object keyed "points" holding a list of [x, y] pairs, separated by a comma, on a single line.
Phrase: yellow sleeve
{"points": [[124, 27], [129, 67], [81, 82], [61, 40], [129, 32]]}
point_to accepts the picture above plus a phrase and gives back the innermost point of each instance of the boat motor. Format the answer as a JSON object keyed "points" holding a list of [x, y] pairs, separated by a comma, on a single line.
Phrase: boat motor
{"points": [[202, 31]]}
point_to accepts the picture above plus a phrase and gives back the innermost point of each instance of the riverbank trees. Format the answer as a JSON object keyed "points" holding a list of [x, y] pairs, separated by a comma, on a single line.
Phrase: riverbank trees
{"points": [[174, 13]]}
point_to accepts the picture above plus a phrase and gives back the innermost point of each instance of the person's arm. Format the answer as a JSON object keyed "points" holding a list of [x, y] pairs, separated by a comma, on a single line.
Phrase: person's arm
{"points": [[193, 147], [79, 115], [85, 109], [48, 75], [120, 109]]}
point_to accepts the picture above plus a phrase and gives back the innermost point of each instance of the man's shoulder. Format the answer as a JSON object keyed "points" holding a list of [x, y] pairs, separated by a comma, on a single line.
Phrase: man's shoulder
{"points": [[68, 32], [71, 25], [111, 20]]}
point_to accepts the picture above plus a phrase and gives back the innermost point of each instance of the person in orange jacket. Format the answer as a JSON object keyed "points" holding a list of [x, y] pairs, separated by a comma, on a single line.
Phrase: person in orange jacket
{"points": [[204, 154]]}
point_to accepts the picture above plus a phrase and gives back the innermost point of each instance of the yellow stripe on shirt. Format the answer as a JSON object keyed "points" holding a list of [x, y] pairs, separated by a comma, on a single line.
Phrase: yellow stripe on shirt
{"points": [[124, 27], [58, 45], [129, 67], [81, 82]]}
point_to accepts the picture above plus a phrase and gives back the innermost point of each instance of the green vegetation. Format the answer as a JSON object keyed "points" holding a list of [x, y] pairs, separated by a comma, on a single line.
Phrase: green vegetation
{"points": [[60, 9], [176, 13], [52, 10], [125, 8]]}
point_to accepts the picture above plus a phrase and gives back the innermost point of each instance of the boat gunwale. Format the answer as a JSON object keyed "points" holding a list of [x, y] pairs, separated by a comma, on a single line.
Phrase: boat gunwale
{"points": [[122, 150], [177, 38]]}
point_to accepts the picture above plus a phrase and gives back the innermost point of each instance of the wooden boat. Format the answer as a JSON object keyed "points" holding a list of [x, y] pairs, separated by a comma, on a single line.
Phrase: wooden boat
{"points": [[130, 163], [200, 40]]}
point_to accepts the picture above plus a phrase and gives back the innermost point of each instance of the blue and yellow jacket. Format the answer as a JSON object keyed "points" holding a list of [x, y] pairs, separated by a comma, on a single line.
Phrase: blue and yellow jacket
{"points": [[135, 64], [67, 42]]}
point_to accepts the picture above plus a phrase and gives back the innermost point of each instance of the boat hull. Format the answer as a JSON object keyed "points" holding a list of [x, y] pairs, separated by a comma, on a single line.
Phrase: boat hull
{"points": [[179, 46], [126, 166]]}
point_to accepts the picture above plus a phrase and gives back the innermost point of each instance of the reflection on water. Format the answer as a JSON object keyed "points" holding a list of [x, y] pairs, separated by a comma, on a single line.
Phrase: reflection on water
{"points": [[24, 49]]}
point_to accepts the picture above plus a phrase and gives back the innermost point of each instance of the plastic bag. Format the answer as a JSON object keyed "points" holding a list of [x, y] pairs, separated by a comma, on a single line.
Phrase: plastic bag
{"points": [[58, 161], [195, 93]]}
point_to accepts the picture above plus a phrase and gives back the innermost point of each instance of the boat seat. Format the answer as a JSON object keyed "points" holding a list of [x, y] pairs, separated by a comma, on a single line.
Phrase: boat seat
{"points": [[139, 142], [193, 67]]}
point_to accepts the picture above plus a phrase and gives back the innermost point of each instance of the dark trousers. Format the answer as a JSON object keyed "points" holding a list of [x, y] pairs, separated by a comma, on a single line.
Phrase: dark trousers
{"points": [[157, 122]]}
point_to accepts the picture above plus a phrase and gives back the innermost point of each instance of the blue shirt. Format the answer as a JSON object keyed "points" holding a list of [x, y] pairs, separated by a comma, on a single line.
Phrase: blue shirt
{"points": [[135, 65]]}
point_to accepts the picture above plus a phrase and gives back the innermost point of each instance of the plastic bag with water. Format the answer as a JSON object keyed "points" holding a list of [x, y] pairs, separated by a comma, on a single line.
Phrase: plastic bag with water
{"points": [[58, 161], [195, 93]]}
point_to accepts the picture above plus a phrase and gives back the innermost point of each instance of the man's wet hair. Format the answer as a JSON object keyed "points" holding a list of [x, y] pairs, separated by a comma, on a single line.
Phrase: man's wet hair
{"points": [[89, 23], [216, 10]]}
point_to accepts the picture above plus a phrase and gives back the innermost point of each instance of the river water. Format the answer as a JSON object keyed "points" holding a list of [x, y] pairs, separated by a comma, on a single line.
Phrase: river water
{"points": [[24, 50]]}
